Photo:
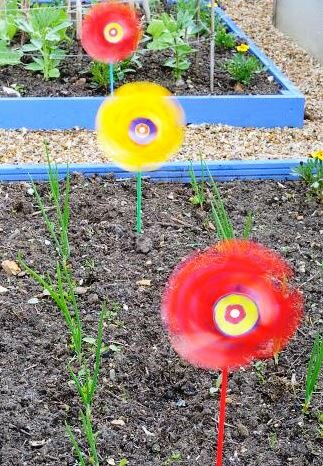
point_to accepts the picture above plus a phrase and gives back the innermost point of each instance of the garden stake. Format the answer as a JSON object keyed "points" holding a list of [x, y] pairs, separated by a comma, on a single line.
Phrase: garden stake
{"points": [[212, 47], [139, 201], [139, 177], [150, 129], [224, 385], [111, 79]]}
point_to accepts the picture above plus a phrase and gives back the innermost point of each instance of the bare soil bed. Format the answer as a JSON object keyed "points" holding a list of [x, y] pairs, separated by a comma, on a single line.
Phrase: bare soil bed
{"points": [[165, 404], [75, 79]]}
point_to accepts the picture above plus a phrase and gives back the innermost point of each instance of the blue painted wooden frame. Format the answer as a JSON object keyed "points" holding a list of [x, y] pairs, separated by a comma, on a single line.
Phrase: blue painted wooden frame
{"points": [[171, 172], [284, 109]]}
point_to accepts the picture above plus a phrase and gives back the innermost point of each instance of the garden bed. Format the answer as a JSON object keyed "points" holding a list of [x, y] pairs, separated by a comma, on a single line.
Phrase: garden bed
{"points": [[75, 79], [162, 405], [269, 100]]}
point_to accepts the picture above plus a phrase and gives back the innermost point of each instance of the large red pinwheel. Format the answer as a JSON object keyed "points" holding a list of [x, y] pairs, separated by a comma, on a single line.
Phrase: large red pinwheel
{"points": [[230, 304], [111, 32]]}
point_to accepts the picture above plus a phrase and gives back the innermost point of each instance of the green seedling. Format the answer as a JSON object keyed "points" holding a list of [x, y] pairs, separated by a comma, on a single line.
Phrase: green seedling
{"points": [[198, 197], [123, 462], [224, 39], [313, 372], [219, 214], [61, 289], [273, 440], [217, 385], [86, 380], [311, 172], [112, 315], [259, 370], [89, 264], [101, 74], [242, 68], [320, 421], [175, 457]]}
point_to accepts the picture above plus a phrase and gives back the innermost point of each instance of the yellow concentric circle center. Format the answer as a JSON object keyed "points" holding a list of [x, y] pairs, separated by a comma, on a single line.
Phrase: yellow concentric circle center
{"points": [[113, 33], [235, 314]]}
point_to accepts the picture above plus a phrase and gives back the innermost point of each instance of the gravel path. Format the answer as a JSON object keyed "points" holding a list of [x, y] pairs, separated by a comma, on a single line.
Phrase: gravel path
{"points": [[209, 141]]}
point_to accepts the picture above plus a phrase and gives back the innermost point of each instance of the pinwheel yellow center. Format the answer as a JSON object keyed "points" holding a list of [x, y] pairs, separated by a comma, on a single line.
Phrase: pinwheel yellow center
{"points": [[235, 314], [142, 130], [113, 33]]}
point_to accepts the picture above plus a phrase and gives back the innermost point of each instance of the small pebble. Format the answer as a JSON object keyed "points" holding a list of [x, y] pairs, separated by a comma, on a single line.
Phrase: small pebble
{"points": [[243, 430], [93, 298], [144, 244]]}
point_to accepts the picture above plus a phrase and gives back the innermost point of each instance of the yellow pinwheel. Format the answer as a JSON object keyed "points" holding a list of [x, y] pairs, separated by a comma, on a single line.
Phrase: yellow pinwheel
{"points": [[140, 126]]}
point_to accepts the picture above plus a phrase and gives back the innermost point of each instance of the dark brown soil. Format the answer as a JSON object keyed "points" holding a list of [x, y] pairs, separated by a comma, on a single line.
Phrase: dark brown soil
{"points": [[165, 404], [76, 78]]}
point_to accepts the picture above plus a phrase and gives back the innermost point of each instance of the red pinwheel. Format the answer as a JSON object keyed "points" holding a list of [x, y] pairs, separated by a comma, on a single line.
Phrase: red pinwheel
{"points": [[231, 304], [228, 305], [111, 32]]}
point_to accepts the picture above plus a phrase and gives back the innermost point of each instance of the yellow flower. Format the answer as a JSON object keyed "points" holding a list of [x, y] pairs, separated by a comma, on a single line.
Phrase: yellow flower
{"points": [[318, 154], [215, 5], [243, 48], [140, 127]]}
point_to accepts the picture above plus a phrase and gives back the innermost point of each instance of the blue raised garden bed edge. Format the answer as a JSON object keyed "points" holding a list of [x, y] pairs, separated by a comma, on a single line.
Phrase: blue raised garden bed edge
{"points": [[170, 172], [268, 111]]}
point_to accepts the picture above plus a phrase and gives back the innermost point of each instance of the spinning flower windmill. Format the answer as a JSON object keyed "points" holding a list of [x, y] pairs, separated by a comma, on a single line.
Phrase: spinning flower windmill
{"points": [[229, 305], [111, 32], [140, 127]]}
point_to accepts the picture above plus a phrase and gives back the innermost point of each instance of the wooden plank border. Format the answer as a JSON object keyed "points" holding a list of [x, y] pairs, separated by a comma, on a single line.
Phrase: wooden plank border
{"points": [[58, 113], [171, 172]]}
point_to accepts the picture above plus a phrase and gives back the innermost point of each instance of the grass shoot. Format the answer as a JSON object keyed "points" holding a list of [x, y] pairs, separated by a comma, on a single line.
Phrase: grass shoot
{"points": [[313, 372]]}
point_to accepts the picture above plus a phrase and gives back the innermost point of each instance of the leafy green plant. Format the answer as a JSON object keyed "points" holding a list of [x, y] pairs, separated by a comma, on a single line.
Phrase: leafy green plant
{"points": [[200, 11], [224, 39], [46, 28], [101, 75], [313, 372], [170, 33], [312, 173], [8, 55], [242, 68], [186, 17], [8, 16]]}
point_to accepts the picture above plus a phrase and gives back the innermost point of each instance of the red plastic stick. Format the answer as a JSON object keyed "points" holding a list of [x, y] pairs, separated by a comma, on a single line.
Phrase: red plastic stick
{"points": [[224, 385]]}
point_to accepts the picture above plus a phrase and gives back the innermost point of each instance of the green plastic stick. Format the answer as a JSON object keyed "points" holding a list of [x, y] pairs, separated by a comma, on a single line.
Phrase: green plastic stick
{"points": [[111, 79], [139, 201]]}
